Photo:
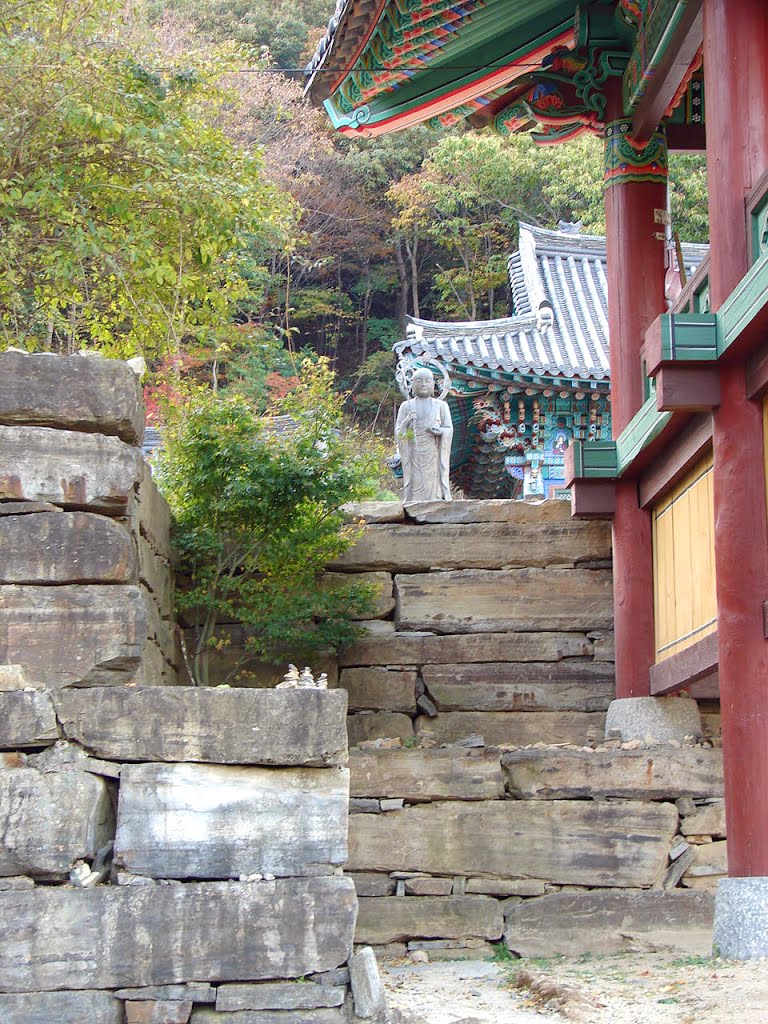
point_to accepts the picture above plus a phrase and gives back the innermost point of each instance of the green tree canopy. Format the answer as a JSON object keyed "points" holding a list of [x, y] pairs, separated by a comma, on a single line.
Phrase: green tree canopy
{"points": [[127, 221]]}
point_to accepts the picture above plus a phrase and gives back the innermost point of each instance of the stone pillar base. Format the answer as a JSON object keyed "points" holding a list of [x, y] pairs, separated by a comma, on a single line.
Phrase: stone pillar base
{"points": [[653, 719], [741, 912]]}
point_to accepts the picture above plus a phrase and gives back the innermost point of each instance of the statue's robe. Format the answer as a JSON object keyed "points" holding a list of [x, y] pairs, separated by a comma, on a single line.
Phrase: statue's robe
{"points": [[426, 457]]}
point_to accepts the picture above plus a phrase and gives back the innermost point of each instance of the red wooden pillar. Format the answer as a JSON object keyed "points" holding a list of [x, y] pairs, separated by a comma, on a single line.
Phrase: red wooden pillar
{"points": [[635, 188], [736, 84]]}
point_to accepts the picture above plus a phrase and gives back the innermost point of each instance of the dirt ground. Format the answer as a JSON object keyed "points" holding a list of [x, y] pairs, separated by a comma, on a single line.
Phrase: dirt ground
{"points": [[623, 989]]}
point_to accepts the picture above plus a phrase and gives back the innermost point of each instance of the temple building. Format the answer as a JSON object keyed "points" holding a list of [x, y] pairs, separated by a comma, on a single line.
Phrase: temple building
{"points": [[683, 477], [523, 387]]}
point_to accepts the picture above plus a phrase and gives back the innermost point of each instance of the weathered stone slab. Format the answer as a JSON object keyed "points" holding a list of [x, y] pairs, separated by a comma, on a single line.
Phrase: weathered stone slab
{"points": [[157, 575], [66, 468], [399, 918], [368, 995], [161, 1011], [654, 773], [378, 725], [60, 1008], [282, 929], [425, 775], [478, 546], [514, 728], [278, 995], [425, 885], [487, 601], [708, 820], [573, 685], [73, 635], [611, 922], [427, 648], [383, 601], [372, 884], [377, 689], [72, 392], [196, 991], [567, 842], [26, 508], [27, 719], [16, 677], [319, 1016], [69, 547], [152, 517], [375, 511], [498, 510], [51, 819], [507, 886], [216, 821], [223, 726]]}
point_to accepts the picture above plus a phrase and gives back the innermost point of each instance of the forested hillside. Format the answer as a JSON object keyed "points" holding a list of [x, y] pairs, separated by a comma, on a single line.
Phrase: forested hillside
{"points": [[165, 191]]}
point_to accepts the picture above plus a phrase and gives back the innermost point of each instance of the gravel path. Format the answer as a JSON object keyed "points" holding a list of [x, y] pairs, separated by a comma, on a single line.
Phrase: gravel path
{"points": [[622, 989]]}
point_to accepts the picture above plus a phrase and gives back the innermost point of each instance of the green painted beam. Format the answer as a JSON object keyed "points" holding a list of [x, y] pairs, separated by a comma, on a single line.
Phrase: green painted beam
{"points": [[594, 460], [746, 308], [689, 337], [644, 427]]}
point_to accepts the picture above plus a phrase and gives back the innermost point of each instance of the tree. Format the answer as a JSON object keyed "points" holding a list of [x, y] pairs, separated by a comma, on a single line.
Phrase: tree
{"points": [[258, 515], [127, 221]]}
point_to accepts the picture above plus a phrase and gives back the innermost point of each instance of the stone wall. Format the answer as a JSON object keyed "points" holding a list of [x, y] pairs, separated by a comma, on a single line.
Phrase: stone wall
{"points": [[167, 854], [86, 589], [485, 799]]}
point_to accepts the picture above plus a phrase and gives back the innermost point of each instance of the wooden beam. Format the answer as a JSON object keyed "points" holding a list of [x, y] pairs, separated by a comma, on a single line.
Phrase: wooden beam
{"points": [[677, 458], [679, 53], [686, 138], [696, 663], [687, 388], [593, 499], [757, 373]]}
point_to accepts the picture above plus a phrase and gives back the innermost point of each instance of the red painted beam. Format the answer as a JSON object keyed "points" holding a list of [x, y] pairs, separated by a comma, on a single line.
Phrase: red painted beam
{"points": [[687, 388]]}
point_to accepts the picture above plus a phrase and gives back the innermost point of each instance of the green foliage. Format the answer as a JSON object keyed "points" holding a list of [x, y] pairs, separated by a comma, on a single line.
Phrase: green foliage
{"points": [[258, 516], [127, 222]]}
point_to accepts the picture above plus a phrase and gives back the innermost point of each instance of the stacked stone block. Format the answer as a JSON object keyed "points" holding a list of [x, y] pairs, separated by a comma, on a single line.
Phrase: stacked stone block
{"points": [[485, 799], [86, 592], [167, 854]]}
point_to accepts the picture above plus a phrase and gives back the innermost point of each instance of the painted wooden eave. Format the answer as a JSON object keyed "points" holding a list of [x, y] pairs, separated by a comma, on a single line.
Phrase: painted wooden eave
{"points": [[500, 42]]}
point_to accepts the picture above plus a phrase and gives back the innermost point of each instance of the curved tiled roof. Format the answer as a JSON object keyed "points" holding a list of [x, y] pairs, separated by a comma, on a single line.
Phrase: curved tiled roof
{"points": [[558, 270]]}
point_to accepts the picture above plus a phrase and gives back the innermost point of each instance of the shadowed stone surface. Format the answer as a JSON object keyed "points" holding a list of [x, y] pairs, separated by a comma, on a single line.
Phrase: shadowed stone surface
{"points": [[67, 468], [73, 635], [513, 728], [320, 1016], [60, 1008], [383, 601], [610, 922], [544, 542], [54, 938], [378, 689], [278, 995], [487, 601], [27, 719], [51, 819], [568, 842], [425, 775], [423, 648], [573, 685], [398, 918], [237, 726], [73, 392], [68, 547], [215, 821], [378, 725], [653, 773]]}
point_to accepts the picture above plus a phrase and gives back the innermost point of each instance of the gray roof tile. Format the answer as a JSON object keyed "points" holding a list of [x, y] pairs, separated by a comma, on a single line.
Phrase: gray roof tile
{"points": [[564, 269]]}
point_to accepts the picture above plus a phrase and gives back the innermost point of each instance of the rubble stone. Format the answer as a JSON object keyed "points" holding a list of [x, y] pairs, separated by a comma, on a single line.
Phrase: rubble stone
{"points": [[425, 775], [397, 918], [367, 990], [60, 1008], [278, 995], [379, 689]]}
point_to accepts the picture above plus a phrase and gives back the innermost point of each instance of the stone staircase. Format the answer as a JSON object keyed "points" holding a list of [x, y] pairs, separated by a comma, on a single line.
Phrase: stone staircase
{"points": [[485, 799]]}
